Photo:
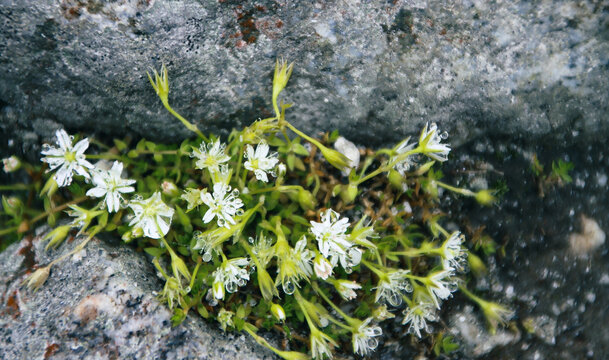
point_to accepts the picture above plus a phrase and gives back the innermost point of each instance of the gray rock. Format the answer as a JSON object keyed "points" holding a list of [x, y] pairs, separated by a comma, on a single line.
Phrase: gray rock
{"points": [[376, 70], [99, 304]]}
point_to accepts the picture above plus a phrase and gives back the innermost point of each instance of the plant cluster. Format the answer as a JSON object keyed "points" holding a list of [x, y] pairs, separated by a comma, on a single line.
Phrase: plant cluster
{"points": [[267, 230]]}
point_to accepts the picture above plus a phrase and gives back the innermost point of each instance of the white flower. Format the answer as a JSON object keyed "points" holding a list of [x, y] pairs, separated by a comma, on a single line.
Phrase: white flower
{"points": [[225, 318], [430, 143], [323, 268], [453, 254], [111, 185], [418, 316], [151, 215], [67, 158], [332, 240], [347, 288], [303, 256], [440, 286], [82, 217], [210, 156], [293, 265], [263, 249], [392, 286], [224, 204], [231, 274], [319, 344], [260, 161], [364, 339], [403, 166]]}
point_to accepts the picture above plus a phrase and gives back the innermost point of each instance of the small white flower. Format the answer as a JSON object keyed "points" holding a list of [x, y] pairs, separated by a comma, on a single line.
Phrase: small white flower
{"points": [[364, 339], [194, 197], [223, 204], [430, 142], [320, 347], [293, 265], [111, 185], [403, 166], [69, 159], [152, 216], [260, 161], [263, 249], [332, 240], [392, 286], [225, 318], [323, 268], [303, 256], [418, 316], [231, 274], [440, 285], [210, 156], [347, 288], [453, 254]]}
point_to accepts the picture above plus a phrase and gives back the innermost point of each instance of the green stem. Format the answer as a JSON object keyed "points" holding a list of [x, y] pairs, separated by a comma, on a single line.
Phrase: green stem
{"points": [[16, 187], [186, 123], [387, 167], [57, 209], [8, 230], [457, 190], [348, 318]]}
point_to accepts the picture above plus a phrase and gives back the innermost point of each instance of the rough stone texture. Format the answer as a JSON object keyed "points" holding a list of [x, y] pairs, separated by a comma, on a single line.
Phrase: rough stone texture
{"points": [[374, 69], [99, 304]]}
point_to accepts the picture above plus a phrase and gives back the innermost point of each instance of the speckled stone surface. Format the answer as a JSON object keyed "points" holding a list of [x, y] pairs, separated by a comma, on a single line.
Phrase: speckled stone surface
{"points": [[99, 304], [376, 70]]}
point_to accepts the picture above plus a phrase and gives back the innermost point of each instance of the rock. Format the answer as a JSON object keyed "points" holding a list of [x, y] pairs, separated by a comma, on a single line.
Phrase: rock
{"points": [[477, 341], [590, 238], [376, 70], [100, 304]]}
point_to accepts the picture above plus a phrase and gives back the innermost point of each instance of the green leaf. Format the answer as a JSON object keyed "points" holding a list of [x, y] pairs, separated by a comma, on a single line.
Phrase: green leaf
{"points": [[120, 145], [156, 252]]}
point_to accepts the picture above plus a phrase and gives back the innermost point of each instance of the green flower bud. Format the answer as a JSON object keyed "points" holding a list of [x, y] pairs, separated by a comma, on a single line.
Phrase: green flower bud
{"points": [[348, 193], [395, 179], [476, 265], [266, 285], [278, 312], [306, 199], [160, 84], [56, 236], [485, 197]]}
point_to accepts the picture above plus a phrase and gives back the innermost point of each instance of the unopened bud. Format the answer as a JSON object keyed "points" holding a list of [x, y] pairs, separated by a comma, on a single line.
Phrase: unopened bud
{"points": [[348, 193], [218, 290], [395, 179], [11, 164], [57, 235], [322, 267], [170, 189], [485, 197], [278, 312], [306, 199]]}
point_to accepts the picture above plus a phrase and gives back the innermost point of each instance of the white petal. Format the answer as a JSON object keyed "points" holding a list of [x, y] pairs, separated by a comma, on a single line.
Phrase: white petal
{"points": [[96, 192], [63, 139], [81, 146]]}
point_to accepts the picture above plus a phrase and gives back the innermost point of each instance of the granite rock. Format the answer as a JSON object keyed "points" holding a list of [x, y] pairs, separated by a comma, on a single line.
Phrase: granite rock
{"points": [[376, 70], [100, 304]]}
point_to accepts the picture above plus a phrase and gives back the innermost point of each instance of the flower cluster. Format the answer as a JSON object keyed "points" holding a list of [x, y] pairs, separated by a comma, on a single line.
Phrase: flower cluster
{"points": [[243, 217]]}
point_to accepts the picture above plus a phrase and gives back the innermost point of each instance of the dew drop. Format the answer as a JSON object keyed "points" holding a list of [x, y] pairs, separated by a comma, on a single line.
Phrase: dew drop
{"points": [[288, 287]]}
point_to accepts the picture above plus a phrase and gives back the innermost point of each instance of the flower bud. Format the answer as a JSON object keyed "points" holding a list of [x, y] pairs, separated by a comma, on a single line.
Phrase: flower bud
{"points": [[348, 193], [281, 76], [137, 232], [170, 189], [485, 197], [306, 199], [278, 312], [395, 179], [49, 188], [335, 158], [160, 84], [266, 285], [218, 290], [37, 278], [127, 236], [11, 164], [57, 235], [476, 265], [322, 266]]}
